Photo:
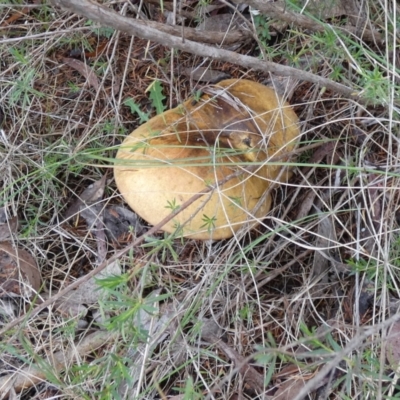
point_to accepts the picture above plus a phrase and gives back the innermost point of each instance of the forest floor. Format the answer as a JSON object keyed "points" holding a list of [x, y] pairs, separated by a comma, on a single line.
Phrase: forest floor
{"points": [[96, 305]]}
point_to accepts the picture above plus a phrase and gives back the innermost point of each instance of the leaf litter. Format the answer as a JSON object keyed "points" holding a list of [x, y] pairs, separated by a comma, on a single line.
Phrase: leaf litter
{"points": [[276, 299]]}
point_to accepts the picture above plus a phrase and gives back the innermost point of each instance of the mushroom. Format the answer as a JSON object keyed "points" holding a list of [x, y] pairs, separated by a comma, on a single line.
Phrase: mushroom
{"points": [[234, 126]]}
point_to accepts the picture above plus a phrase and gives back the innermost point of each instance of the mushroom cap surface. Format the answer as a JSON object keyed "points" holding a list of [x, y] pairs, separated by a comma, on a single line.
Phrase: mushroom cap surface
{"points": [[231, 126]]}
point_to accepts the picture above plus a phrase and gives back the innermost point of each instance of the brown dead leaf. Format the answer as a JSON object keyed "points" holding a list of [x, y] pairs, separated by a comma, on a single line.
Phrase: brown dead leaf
{"points": [[94, 217], [306, 204], [16, 16], [289, 389], [84, 69], [88, 207], [120, 221], [116, 84], [8, 226], [285, 372], [204, 74], [19, 274], [98, 50], [220, 23], [90, 195], [327, 150], [325, 238], [393, 346]]}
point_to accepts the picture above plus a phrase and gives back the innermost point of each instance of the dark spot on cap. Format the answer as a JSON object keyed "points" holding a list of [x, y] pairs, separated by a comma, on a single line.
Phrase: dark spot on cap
{"points": [[247, 141]]}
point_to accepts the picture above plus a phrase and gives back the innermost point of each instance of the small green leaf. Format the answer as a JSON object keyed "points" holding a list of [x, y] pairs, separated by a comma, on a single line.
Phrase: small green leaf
{"points": [[172, 205], [144, 117], [157, 97], [209, 222], [149, 309]]}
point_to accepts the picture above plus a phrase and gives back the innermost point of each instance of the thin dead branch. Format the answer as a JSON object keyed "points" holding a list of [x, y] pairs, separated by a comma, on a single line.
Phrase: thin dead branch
{"points": [[210, 37], [110, 18]]}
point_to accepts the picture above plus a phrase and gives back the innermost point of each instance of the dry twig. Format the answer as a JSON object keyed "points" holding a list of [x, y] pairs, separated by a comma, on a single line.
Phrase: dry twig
{"points": [[110, 18]]}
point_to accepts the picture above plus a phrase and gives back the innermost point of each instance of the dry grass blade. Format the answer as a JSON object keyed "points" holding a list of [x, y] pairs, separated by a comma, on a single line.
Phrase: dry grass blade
{"points": [[116, 256], [285, 320], [58, 361]]}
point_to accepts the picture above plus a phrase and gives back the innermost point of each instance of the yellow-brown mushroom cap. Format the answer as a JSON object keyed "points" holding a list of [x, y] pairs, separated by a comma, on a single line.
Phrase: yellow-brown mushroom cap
{"points": [[177, 154]]}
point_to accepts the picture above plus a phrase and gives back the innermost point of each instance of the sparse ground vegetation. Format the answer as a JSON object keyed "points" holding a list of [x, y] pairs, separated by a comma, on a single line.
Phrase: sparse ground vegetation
{"points": [[303, 306]]}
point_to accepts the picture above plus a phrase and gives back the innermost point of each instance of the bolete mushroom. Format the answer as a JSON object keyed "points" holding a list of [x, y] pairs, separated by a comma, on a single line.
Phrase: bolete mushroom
{"points": [[236, 125]]}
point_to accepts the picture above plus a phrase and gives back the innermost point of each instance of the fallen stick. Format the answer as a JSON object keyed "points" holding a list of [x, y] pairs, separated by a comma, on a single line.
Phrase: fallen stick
{"points": [[107, 17]]}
